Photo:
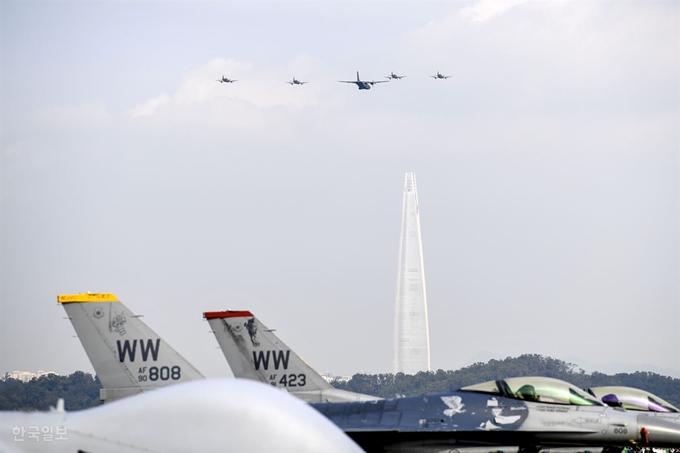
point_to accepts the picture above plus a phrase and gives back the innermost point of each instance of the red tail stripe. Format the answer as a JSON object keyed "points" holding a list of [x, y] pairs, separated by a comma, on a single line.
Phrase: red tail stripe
{"points": [[227, 314]]}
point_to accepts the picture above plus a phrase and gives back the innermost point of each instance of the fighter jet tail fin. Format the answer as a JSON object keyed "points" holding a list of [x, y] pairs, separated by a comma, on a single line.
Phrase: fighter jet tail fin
{"points": [[127, 355], [255, 352], [358, 79]]}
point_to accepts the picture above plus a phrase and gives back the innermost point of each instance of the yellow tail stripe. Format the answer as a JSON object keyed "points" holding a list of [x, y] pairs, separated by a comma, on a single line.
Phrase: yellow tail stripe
{"points": [[86, 297]]}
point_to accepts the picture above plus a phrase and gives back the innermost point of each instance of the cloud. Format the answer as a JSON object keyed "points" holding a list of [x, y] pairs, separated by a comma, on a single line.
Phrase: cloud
{"points": [[560, 58], [483, 10], [257, 86], [149, 107]]}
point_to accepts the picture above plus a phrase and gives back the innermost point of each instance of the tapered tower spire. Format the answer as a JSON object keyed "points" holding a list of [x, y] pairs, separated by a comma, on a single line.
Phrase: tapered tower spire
{"points": [[411, 332]]}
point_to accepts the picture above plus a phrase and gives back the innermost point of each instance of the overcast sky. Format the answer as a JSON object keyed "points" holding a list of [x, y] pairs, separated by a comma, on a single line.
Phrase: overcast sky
{"points": [[548, 174]]}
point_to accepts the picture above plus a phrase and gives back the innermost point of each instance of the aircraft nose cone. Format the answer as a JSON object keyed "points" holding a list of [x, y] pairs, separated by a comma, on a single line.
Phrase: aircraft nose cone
{"points": [[659, 432]]}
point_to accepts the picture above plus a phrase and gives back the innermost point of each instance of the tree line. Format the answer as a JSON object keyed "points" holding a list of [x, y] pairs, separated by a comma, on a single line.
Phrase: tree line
{"points": [[80, 390], [389, 385]]}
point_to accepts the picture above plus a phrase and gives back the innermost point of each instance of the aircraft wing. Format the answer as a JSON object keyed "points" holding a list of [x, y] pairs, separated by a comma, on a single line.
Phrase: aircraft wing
{"points": [[347, 81], [378, 81]]}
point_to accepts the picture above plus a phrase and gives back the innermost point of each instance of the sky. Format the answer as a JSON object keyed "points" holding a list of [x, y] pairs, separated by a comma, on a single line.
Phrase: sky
{"points": [[548, 171]]}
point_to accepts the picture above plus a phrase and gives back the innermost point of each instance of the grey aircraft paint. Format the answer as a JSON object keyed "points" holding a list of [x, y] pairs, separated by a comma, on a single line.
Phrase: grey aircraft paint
{"points": [[255, 352], [128, 356], [470, 418]]}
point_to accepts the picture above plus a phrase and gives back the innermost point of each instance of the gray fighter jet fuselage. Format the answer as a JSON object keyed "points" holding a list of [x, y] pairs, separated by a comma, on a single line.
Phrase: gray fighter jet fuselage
{"points": [[226, 80], [363, 84], [530, 413]]}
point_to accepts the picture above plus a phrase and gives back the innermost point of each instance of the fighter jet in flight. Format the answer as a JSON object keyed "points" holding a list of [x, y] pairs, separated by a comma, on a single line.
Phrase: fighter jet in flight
{"points": [[440, 76], [226, 80], [362, 84], [394, 76], [208, 416], [296, 82]]}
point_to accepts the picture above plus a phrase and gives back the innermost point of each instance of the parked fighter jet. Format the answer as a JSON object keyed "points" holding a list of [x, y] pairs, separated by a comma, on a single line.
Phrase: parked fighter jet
{"points": [[440, 76], [394, 76], [126, 354], [362, 84], [296, 82], [522, 413], [531, 413], [255, 352], [226, 80], [214, 415]]}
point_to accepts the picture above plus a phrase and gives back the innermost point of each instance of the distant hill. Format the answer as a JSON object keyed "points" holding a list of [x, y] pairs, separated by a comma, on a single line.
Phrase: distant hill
{"points": [[389, 385], [80, 390]]}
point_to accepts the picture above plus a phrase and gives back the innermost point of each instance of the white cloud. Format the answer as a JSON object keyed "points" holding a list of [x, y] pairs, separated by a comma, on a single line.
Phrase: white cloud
{"points": [[149, 107], [259, 87], [483, 10]]}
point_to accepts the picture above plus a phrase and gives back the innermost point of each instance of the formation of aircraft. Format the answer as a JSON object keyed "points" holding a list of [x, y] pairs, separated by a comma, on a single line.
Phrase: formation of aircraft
{"points": [[362, 84], [296, 82], [394, 76], [440, 76], [525, 413], [226, 80]]}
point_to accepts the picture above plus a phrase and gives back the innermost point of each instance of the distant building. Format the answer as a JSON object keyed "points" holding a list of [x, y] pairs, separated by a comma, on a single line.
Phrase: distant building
{"points": [[411, 331], [26, 376], [328, 377]]}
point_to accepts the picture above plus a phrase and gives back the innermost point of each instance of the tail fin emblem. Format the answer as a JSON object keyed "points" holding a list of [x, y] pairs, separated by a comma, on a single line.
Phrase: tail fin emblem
{"points": [[117, 324], [251, 326]]}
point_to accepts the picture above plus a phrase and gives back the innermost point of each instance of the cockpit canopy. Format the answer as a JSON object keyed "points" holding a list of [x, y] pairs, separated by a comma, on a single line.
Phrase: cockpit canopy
{"points": [[632, 399], [537, 389]]}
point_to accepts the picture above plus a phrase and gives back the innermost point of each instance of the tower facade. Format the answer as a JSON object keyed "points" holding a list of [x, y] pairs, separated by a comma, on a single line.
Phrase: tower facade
{"points": [[411, 332]]}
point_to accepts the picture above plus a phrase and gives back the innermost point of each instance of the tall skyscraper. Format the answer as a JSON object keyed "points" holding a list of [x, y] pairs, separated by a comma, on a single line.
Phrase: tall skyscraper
{"points": [[411, 332]]}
